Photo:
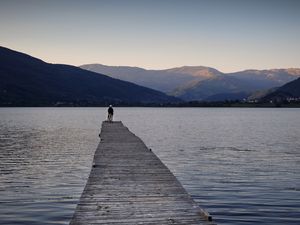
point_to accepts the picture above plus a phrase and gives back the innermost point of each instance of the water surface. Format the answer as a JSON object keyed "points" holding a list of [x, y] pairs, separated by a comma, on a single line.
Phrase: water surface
{"points": [[241, 165]]}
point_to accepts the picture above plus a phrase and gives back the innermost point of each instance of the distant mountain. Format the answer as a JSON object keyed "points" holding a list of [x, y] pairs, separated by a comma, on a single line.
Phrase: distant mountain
{"points": [[260, 94], [227, 97], [292, 88], [236, 86], [199, 82], [265, 79], [28, 81], [289, 90], [161, 80], [200, 72], [215, 89]]}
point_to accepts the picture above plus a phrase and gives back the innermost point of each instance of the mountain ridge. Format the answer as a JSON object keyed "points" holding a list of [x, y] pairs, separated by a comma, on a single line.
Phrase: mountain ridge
{"points": [[289, 91], [185, 79], [29, 81]]}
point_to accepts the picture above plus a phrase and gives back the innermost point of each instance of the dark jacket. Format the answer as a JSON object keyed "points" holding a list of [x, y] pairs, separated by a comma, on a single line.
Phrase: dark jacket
{"points": [[110, 110]]}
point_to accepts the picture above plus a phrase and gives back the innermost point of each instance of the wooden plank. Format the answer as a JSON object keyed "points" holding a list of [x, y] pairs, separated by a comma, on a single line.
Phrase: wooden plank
{"points": [[128, 184]]}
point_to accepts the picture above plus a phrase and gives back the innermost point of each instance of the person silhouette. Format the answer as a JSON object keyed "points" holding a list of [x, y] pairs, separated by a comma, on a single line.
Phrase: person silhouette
{"points": [[110, 113]]}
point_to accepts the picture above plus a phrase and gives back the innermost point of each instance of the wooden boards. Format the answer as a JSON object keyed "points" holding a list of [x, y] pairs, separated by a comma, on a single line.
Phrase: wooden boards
{"points": [[128, 184]]}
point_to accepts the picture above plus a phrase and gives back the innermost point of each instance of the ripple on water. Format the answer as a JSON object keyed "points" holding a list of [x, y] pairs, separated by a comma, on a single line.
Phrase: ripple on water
{"points": [[241, 165]]}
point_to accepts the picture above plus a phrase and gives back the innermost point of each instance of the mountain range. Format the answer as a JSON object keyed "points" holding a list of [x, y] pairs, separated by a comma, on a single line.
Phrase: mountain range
{"points": [[28, 81], [201, 83]]}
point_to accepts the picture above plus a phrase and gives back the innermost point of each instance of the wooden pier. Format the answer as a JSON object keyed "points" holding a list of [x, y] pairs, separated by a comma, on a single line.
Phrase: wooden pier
{"points": [[128, 184]]}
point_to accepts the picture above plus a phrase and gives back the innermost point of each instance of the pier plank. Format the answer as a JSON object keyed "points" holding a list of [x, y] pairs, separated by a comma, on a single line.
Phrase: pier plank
{"points": [[128, 185]]}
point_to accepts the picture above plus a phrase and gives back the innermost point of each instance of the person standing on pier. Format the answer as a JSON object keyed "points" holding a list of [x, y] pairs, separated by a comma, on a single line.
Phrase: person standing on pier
{"points": [[110, 113]]}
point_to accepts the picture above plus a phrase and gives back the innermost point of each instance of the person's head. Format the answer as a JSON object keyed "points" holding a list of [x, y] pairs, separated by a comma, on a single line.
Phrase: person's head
{"points": [[110, 106]]}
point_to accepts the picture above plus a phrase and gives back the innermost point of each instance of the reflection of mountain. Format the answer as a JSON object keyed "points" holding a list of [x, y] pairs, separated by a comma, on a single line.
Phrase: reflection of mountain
{"points": [[29, 81], [201, 83]]}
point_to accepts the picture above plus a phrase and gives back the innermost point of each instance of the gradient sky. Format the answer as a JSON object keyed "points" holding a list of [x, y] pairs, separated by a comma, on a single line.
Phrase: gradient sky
{"points": [[229, 35]]}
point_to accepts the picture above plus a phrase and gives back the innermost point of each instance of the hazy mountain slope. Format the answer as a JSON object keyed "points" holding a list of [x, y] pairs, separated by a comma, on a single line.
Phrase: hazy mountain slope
{"points": [[265, 79], [157, 80], [261, 93], [206, 89], [227, 96], [289, 90], [292, 88], [162, 80], [187, 81], [26, 80], [200, 72], [233, 86]]}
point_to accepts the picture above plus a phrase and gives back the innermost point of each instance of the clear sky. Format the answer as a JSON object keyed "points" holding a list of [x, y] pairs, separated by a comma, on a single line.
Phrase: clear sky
{"points": [[229, 35]]}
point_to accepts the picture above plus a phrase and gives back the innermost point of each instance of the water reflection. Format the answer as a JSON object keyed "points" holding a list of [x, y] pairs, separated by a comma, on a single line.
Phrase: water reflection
{"points": [[44, 164], [237, 163], [242, 165]]}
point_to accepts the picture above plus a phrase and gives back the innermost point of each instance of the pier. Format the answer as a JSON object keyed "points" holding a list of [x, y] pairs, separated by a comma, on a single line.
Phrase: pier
{"points": [[128, 184]]}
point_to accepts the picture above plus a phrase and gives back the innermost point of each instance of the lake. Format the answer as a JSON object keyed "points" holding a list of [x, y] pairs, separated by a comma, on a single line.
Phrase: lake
{"points": [[241, 165]]}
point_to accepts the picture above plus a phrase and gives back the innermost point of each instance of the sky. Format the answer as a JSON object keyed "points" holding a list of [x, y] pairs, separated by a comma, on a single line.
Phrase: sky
{"points": [[229, 35]]}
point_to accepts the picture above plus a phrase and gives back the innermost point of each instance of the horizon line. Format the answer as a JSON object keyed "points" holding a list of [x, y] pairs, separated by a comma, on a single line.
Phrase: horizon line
{"points": [[148, 67], [175, 67]]}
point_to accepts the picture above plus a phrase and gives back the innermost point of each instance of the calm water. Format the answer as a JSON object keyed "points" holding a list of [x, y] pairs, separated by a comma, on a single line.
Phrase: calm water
{"points": [[241, 165]]}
